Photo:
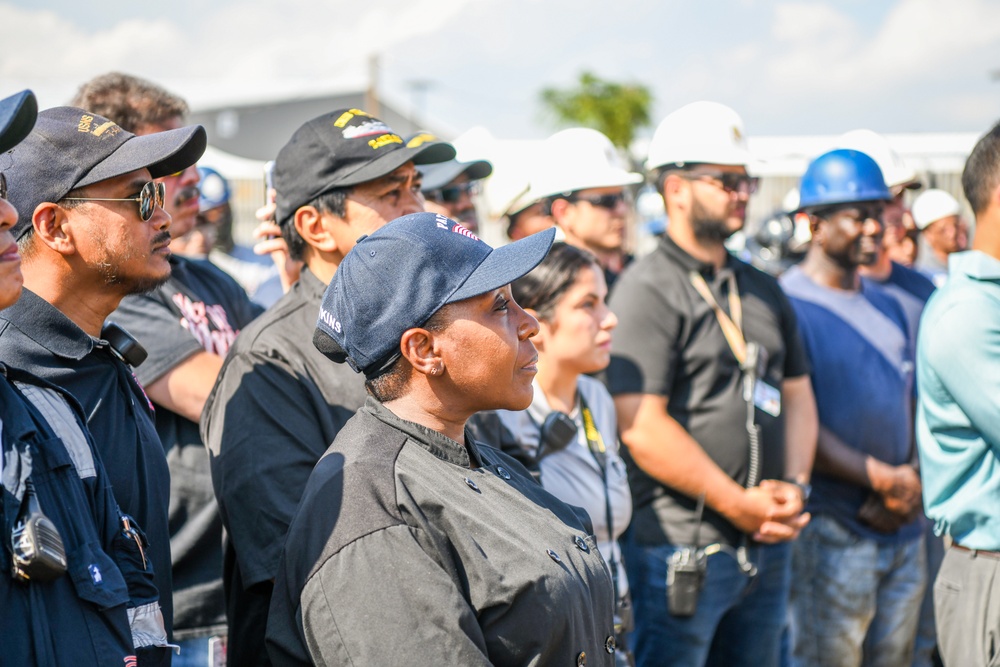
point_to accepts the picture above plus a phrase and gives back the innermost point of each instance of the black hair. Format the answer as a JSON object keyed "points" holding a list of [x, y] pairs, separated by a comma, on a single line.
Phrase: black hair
{"points": [[391, 383], [332, 201], [542, 288], [982, 171]]}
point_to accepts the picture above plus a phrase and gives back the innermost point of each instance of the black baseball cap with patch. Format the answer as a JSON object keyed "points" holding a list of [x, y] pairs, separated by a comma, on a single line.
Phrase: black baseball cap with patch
{"points": [[340, 149], [70, 148]]}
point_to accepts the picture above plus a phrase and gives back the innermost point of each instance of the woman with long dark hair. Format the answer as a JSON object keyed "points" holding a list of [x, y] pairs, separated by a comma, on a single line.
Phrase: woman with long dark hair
{"points": [[569, 431]]}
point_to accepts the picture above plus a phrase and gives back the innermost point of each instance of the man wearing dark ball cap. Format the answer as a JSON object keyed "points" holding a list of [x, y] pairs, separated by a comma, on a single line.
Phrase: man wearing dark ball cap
{"points": [[91, 230], [278, 402]]}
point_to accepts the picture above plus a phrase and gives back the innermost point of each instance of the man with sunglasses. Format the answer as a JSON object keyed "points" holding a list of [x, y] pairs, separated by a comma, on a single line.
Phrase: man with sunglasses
{"points": [[858, 567], [450, 188], [278, 403], [581, 181], [714, 402], [91, 231], [186, 325]]}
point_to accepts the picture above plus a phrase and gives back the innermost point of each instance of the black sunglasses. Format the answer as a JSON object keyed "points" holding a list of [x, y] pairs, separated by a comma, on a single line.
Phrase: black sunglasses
{"points": [[730, 182], [609, 202], [151, 196], [453, 193]]}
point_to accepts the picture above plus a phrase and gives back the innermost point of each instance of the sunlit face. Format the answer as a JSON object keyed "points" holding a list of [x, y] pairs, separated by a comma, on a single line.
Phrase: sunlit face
{"points": [[454, 201], [114, 242], [371, 205], [852, 235], [488, 356], [944, 235], [595, 219], [530, 221], [716, 213], [577, 335], [181, 200], [11, 279]]}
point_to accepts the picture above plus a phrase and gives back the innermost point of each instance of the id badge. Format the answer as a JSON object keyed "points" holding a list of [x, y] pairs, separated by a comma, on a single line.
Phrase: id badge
{"points": [[767, 398]]}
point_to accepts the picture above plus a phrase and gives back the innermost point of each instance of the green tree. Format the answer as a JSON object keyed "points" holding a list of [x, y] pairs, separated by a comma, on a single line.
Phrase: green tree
{"points": [[616, 109]]}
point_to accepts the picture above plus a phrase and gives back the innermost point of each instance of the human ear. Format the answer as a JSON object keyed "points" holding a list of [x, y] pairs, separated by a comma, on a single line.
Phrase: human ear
{"points": [[52, 228], [417, 346], [314, 228]]}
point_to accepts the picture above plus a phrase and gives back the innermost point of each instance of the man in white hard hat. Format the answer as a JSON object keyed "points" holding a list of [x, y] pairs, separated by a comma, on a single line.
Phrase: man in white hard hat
{"points": [[582, 183], [937, 215], [714, 401]]}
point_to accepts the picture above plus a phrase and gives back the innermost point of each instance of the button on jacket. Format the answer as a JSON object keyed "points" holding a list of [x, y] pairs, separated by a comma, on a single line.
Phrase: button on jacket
{"points": [[403, 553]]}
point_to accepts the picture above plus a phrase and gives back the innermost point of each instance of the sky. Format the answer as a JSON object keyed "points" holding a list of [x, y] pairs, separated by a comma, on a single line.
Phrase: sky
{"points": [[786, 67]]}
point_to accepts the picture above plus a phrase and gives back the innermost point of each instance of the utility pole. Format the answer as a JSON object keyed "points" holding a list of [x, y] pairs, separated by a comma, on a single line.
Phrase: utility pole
{"points": [[371, 94], [418, 102]]}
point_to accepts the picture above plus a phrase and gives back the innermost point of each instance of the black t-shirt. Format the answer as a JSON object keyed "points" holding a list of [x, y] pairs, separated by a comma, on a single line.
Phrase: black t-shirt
{"points": [[276, 407], [37, 337], [200, 308], [669, 343]]}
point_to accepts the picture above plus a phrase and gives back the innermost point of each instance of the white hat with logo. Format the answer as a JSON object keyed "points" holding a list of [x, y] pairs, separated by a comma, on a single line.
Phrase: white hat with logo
{"points": [[700, 132], [577, 159]]}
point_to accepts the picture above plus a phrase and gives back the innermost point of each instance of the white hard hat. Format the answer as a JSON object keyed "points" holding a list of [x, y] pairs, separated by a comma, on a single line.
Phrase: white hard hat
{"points": [[700, 132], [577, 159], [895, 171], [932, 205]]}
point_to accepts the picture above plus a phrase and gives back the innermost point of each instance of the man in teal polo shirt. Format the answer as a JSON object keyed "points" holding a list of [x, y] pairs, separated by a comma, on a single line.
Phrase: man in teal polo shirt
{"points": [[958, 430]]}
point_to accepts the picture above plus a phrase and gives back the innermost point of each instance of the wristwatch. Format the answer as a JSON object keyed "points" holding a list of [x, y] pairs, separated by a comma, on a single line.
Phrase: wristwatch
{"points": [[805, 488]]}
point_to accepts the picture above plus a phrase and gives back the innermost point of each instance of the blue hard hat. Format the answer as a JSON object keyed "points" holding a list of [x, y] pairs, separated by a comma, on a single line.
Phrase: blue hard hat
{"points": [[213, 189], [842, 176]]}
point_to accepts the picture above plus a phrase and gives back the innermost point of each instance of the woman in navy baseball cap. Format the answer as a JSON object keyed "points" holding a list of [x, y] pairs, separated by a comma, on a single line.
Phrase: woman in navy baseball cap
{"points": [[414, 543]]}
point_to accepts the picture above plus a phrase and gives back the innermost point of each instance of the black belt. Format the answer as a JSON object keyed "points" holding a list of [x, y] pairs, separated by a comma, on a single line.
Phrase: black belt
{"points": [[977, 552]]}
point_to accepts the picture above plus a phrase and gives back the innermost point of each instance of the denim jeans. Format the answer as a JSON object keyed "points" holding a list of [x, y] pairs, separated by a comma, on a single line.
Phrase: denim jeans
{"points": [[854, 601], [738, 620]]}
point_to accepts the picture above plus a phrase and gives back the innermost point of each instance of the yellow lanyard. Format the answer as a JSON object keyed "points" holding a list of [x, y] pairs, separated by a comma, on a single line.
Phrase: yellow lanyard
{"points": [[732, 327], [594, 438]]}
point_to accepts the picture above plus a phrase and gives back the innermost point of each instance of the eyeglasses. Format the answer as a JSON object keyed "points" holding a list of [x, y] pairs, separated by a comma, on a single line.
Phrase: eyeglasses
{"points": [[733, 183], [453, 193], [3, 186], [151, 196], [609, 202]]}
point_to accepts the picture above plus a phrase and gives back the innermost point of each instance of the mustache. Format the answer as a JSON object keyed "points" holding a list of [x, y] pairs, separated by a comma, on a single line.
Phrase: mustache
{"points": [[185, 194], [163, 238]]}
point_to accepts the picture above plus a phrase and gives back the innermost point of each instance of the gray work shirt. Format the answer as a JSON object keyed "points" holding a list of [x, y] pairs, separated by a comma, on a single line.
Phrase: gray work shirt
{"points": [[403, 553]]}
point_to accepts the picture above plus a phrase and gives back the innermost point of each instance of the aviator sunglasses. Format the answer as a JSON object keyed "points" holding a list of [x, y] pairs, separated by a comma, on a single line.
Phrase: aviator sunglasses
{"points": [[151, 196]]}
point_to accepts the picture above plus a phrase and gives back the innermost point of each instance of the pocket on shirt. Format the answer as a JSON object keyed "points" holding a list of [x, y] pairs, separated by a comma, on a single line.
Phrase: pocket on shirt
{"points": [[96, 577]]}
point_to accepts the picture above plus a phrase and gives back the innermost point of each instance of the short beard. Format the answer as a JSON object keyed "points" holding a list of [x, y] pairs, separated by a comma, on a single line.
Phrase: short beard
{"points": [[111, 276], [708, 229]]}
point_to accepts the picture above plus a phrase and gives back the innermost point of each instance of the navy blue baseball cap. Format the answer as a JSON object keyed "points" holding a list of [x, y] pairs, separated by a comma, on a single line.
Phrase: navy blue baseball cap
{"points": [[70, 148], [17, 117], [340, 149], [434, 261]]}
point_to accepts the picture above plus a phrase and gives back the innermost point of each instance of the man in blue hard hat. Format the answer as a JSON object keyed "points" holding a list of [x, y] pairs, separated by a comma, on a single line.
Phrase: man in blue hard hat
{"points": [[858, 567]]}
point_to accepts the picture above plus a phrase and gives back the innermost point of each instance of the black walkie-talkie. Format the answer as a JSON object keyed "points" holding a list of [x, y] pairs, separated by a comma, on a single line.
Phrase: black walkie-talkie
{"points": [[36, 546]]}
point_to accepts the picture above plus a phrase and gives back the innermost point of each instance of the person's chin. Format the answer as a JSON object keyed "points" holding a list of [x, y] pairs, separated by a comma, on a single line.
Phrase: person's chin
{"points": [[10, 290]]}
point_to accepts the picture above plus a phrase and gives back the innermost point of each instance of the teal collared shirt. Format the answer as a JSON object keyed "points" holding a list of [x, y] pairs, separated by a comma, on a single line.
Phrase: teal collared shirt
{"points": [[958, 414]]}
